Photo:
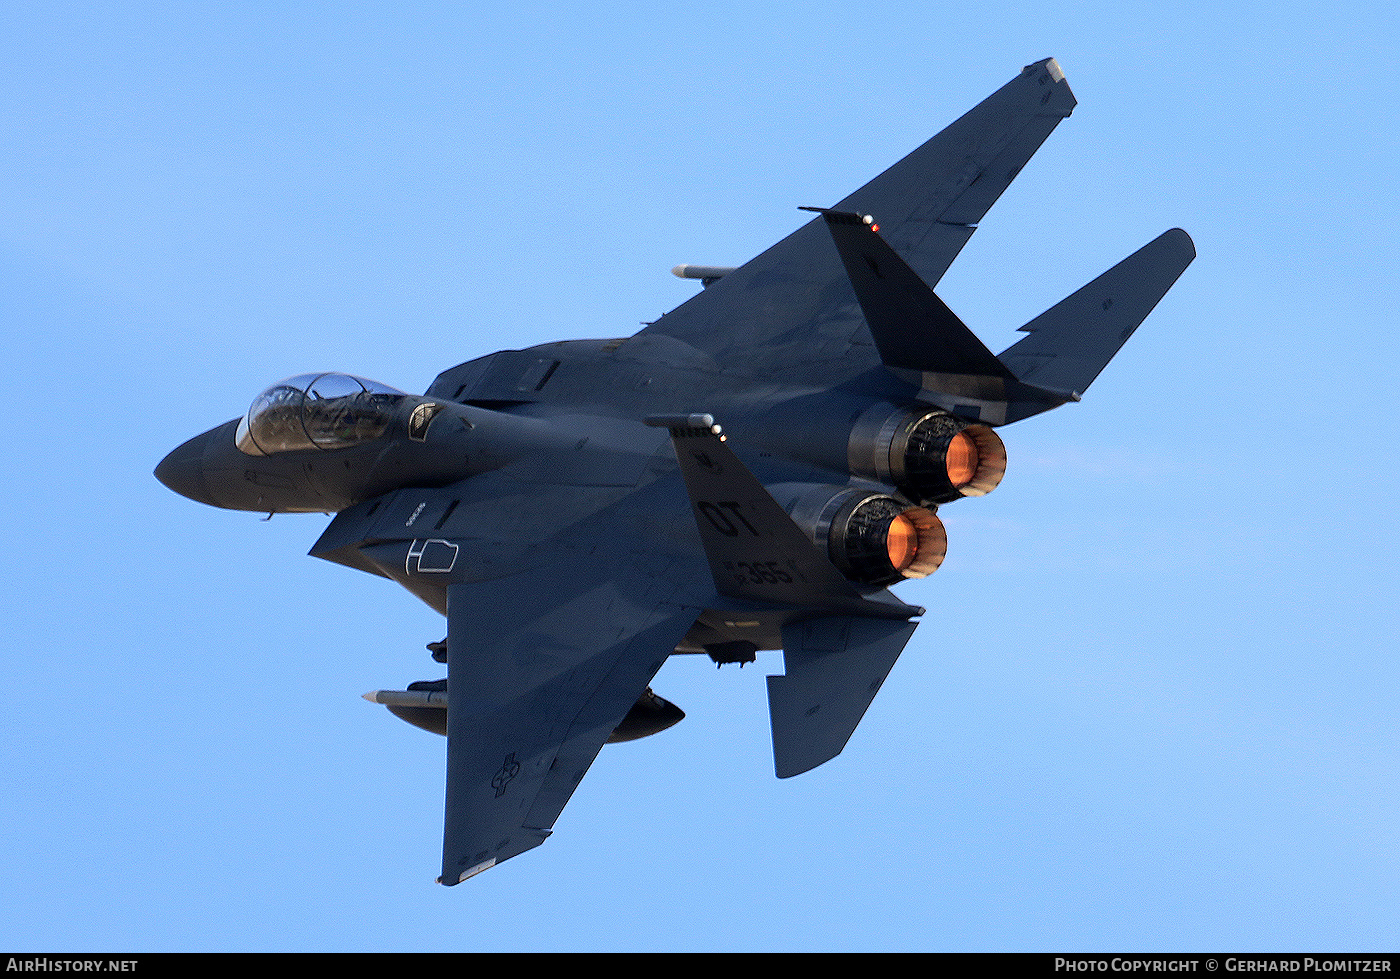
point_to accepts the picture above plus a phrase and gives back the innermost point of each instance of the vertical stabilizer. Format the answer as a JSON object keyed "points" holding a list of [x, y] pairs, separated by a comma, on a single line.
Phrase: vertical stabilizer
{"points": [[912, 328]]}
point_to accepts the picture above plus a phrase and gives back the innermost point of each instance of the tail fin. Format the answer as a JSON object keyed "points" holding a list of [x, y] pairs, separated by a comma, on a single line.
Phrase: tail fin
{"points": [[1070, 343], [912, 328]]}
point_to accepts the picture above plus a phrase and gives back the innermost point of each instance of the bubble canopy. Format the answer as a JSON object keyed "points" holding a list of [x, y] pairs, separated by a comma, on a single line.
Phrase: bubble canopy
{"points": [[317, 411]]}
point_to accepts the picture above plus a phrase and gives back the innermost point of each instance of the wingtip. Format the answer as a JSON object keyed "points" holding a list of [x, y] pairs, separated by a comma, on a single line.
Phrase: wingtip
{"points": [[469, 872], [1048, 88], [1057, 74], [1182, 240]]}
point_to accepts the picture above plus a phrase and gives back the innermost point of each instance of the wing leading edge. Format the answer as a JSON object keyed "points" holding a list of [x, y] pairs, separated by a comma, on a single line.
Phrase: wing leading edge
{"points": [[927, 204]]}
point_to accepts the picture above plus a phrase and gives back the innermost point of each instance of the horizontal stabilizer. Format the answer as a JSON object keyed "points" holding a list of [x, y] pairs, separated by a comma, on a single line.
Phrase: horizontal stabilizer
{"points": [[835, 666], [1070, 343], [911, 326]]}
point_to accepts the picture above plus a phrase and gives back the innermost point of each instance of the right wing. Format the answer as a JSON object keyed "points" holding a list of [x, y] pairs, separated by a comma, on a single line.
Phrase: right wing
{"points": [[793, 304], [562, 601], [542, 667]]}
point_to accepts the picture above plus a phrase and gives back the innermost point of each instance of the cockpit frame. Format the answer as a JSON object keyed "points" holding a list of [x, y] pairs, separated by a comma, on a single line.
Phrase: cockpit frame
{"points": [[325, 411]]}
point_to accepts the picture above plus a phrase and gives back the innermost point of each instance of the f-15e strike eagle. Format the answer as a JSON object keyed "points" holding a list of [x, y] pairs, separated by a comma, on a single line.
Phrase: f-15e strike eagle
{"points": [[750, 472]]}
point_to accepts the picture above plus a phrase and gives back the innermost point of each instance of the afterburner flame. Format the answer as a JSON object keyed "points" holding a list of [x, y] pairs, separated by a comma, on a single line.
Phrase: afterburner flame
{"points": [[873, 538], [961, 460], [988, 460], [927, 549], [902, 542]]}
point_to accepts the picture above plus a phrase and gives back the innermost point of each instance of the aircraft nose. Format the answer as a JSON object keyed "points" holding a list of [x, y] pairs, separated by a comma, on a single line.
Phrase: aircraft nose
{"points": [[183, 471]]}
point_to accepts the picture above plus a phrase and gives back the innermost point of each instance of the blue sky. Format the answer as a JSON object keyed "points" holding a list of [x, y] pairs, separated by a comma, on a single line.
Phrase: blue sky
{"points": [[1153, 704]]}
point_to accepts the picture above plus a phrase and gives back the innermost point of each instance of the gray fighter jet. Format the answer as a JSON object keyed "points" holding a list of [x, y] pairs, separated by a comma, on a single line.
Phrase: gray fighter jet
{"points": [[750, 472]]}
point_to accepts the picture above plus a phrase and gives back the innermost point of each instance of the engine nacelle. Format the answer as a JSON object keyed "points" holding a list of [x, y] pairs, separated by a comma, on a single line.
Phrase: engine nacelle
{"points": [[874, 539], [930, 455]]}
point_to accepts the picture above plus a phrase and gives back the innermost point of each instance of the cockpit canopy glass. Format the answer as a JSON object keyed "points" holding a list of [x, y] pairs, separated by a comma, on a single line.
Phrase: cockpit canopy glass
{"points": [[321, 411]]}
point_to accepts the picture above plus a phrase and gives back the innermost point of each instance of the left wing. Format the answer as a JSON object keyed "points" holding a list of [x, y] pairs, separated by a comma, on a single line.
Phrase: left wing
{"points": [[542, 667], [791, 307]]}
